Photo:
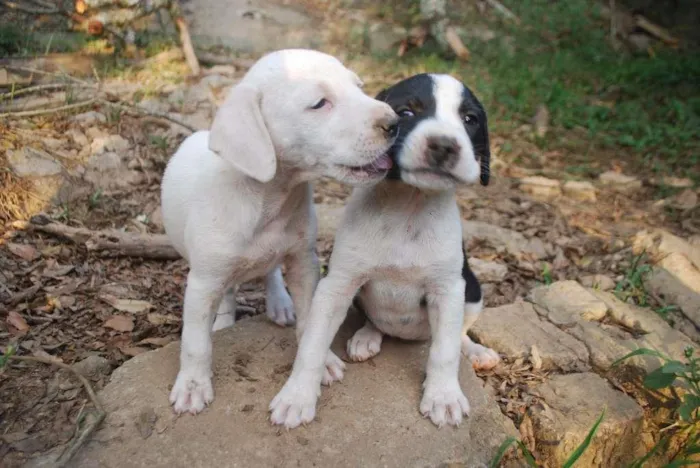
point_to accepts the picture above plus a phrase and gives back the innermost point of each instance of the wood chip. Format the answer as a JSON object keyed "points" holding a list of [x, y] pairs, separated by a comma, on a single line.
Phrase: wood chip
{"points": [[133, 306], [120, 323], [535, 358]]}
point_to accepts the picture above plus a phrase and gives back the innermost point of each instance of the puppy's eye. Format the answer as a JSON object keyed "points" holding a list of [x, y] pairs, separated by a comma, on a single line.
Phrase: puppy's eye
{"points": [[405, 113], [471, 119], [321, 103]]}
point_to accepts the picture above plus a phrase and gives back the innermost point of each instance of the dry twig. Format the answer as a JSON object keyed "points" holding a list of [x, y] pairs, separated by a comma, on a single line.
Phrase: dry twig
{"points": [[117, 243], [141, 110], [34, 113], [499, 7], [91, 426]]}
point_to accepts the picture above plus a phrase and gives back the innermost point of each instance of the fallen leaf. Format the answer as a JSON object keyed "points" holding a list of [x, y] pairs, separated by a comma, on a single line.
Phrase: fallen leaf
{"points": [[133, 350], [17, 321], [133, 306], [158, 340], [160, 319], [43, 354], [120, 323], [24, 251], [535, 358]]}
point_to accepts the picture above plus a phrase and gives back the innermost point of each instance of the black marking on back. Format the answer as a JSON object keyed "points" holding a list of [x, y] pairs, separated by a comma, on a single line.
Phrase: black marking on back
{"points": [[472, 289]]}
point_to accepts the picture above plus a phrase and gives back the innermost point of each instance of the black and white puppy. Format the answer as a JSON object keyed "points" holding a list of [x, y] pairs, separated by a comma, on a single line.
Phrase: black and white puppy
{"points": [[399, 252]]}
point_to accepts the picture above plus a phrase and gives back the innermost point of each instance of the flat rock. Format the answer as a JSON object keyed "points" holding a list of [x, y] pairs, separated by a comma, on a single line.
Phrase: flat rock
{"points": [[659, 243], [514, 242], [602, 282], [251, 26], [514, 329], [567, 302], [628, 328], [573, 403], [30, 162], [620, 182], [487, 271], [541, 187], [579, 190], [370, 419], [677, 280]]}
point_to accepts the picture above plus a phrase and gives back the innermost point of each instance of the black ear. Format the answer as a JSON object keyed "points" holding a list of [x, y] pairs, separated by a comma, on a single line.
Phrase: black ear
{"points": [[382, 95], [485, 153]]}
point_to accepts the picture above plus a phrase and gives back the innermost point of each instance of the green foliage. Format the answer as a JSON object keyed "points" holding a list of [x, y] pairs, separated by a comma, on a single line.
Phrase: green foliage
{"points": [[529, 457], [9, 351], [560, 55], [687, 412]]}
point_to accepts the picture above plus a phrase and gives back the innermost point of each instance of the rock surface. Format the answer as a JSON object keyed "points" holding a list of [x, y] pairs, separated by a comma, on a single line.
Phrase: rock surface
{"points": [[579, 190], [557, 349], [487, 271], [620, 182], [370, 419], [515, 243], [573, 403], [567, 302], [541, 187], [251, 26]]}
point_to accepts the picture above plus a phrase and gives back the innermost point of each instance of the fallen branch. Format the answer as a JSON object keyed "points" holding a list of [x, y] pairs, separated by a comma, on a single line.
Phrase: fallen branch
{"points": [[655, 30], [456, 43], [141, 110], [499, 7], [185, 38], [35, 113], [156, 246], [27, 9], [91, 426], [213, 59], [36, 89]]}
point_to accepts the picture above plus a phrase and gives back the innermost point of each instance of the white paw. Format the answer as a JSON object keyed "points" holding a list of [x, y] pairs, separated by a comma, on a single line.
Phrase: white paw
{"points": [[481, 357], [444, 404], [334, 370], [280, 307], [295, 404], [192, 392], [223, 321], [364, 344]]}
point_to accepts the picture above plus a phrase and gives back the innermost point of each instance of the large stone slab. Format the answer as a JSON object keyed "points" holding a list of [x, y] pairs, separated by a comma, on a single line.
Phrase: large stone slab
{"points": [[370, 419], [515, 243], [565, 303], [677, 280], [572, 403], [251, 26], [514, 329]]}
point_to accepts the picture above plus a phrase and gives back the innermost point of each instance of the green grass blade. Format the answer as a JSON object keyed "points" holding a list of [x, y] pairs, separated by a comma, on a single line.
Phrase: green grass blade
{"points": [[576, 454], [529, 458], [502, 449], [638, 352]]}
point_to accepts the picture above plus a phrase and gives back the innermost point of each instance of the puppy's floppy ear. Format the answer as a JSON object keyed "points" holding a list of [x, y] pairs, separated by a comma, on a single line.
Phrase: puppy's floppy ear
{"points": [[239, 134], [485, 153], [383, 94]]}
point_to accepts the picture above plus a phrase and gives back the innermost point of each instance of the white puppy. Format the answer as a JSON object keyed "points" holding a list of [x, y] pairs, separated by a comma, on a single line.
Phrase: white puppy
{"points": [[237, 200], [399, 252]]}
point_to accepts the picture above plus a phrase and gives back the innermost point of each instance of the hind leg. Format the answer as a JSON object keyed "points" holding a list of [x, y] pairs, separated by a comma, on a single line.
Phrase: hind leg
{"points": [[480, 356], [365, 343]]}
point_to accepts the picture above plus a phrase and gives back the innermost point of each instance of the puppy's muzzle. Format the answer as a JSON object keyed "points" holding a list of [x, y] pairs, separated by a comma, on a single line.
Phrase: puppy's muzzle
{"points": [[442, 152], [389, 125]]}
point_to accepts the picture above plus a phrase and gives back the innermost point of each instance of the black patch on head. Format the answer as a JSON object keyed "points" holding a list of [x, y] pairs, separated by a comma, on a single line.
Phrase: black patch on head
{"points": [[472, 290], [416, 94], [478, 132]]}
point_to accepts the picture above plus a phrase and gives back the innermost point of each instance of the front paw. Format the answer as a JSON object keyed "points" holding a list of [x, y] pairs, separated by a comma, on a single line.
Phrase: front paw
{"points": [[481, 357], [192, 392], [334, 370], [364, 344], [280, 308], [294, 405], [444, 404]]}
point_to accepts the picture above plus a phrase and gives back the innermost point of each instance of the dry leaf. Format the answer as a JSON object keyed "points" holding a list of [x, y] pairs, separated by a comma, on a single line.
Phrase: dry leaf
{"points": [[160, 319], [120, 323], [535, 358], [133, 350], [24, 251], [17, 321], [133, 306], [158, 340]]}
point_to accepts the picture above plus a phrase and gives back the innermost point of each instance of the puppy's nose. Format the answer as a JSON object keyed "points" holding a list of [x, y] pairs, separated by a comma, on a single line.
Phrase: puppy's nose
{"points": [[442, 151], [389, 125]]}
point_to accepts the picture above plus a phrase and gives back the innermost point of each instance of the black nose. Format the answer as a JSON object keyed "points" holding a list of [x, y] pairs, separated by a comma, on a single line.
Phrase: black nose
{"points": [[442, 151]]}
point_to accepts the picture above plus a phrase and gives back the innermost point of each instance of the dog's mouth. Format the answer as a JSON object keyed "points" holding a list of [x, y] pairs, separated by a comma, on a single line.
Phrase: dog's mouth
{"points": [[378, 167]]}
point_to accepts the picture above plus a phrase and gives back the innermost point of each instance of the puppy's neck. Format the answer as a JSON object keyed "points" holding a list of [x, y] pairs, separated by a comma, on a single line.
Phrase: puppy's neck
{"points": [[396, 194]]}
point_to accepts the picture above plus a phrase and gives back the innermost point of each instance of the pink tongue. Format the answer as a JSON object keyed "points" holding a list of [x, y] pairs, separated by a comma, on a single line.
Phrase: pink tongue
{"points": [[383, 162]]}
